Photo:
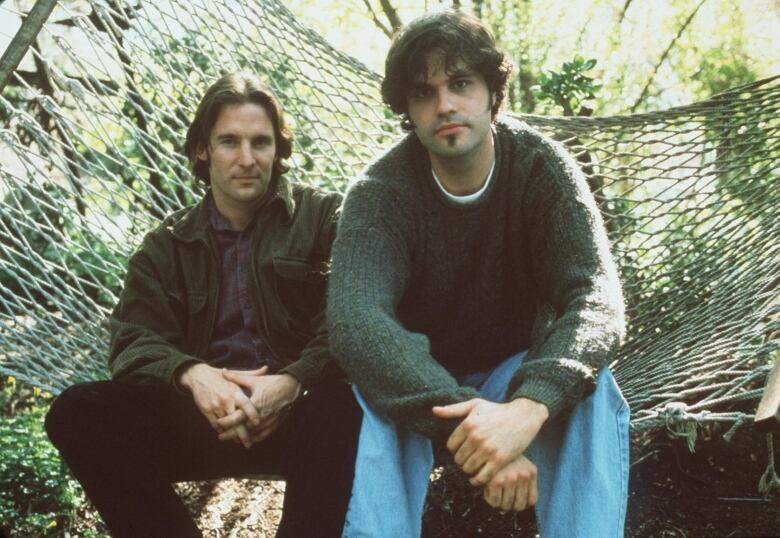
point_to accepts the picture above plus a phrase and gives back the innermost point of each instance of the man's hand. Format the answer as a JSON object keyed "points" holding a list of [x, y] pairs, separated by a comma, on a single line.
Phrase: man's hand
{"points": [[217, 397], [513, 487], [270, 395], [491, 434]]}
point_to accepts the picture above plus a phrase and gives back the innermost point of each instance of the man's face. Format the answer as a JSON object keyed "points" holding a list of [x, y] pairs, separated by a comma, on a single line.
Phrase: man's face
{"points": [[450, 112], [240, 154]]}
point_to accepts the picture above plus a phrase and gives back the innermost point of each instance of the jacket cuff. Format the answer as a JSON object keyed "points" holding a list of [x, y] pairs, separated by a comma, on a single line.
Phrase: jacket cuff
{"points": [[179, 364], [162, 370], [303, 370]]}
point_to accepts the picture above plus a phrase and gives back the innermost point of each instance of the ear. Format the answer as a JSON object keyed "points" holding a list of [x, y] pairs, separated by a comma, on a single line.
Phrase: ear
{"points": [[203, 153]]}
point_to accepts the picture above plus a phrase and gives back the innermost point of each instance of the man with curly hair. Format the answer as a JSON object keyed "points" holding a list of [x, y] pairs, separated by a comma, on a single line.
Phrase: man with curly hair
{"points": [[475, 304]]}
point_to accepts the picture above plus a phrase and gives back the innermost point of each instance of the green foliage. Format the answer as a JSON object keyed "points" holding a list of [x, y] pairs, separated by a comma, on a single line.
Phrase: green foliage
{"points": [[38, 496], [569, 87]]}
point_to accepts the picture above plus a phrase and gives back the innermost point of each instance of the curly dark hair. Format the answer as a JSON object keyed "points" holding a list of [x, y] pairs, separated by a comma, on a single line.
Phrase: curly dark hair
{"points": [[460, 37], [236, 89]]}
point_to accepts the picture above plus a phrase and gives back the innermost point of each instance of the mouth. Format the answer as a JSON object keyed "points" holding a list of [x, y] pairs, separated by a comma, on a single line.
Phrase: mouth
{"points": [[450, 129]]}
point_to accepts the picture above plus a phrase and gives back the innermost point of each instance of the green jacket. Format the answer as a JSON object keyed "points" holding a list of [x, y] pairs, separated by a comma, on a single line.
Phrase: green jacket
{"points": [[168, 307]]}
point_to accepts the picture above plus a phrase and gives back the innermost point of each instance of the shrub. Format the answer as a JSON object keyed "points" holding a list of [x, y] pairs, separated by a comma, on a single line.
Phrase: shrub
{"points": [[38, 496]]}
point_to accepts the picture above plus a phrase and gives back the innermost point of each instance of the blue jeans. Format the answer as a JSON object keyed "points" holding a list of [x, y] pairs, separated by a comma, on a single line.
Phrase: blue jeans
{"points": [[582, 464]]}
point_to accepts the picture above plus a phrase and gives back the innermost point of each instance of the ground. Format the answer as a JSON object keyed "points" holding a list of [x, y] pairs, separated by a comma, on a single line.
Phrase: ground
{"points": [[673, 493]]}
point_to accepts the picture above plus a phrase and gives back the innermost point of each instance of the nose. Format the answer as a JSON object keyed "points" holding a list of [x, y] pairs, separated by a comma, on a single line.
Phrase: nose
{"points": [[245, 157], [446, 102]]}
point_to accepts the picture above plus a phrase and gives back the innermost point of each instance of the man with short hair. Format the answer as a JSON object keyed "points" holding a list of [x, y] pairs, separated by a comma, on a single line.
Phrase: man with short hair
{"points": [[218, 353], [474, 302]]}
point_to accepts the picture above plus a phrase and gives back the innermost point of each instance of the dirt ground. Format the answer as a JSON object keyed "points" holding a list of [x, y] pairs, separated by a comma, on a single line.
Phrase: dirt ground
{"points": [[672, 494]]}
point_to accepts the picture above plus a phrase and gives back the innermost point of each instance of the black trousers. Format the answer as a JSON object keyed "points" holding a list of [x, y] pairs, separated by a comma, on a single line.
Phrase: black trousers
{"points": [[128, 443]]}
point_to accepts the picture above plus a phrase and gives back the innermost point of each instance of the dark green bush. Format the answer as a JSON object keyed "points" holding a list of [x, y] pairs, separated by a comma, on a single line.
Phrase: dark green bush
{"points": [[38, 496]]}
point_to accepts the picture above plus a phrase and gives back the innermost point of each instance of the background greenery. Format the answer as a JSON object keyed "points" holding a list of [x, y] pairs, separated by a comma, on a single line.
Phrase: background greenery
{"points": [[38, 496], [650, 54]]}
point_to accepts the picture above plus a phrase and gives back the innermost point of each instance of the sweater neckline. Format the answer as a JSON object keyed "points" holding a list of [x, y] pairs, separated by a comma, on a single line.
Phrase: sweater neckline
{"points": [[467, 198], [433, 188]]}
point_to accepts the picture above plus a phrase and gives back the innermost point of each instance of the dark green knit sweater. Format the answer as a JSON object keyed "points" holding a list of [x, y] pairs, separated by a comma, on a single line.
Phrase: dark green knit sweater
{"points": [[423, 289]]}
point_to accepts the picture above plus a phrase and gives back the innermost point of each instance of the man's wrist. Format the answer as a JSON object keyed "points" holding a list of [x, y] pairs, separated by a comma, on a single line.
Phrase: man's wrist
{"points": [[183, 375], [294, 383], [531, 409]]}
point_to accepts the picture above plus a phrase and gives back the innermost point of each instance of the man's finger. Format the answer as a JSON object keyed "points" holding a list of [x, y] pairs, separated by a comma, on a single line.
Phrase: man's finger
{"points": [[521, 496], [214, 421], [240, 430], [257, 372], [243, 436], [248, 408], [485, 474], [218, 413], [228, 422], [264, 433], [463, 453], [492, 495], [508, 496], [264, 422], [457, 410], [232, 435], [533, 492], [228, 435], [456, 439], [239, 378]]}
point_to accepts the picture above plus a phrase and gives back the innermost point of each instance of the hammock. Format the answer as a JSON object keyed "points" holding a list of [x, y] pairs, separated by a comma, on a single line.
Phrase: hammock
{"points": [[90, 163]]}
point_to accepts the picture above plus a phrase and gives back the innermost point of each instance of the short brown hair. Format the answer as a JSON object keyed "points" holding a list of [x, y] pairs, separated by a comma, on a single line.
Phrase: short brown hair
{"points": [[236, 89], [461, 37]]}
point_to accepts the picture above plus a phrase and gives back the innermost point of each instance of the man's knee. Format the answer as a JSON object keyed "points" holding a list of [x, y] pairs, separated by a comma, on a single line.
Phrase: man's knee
{"points": [[333, 407], [77, 412], [328, 418]]}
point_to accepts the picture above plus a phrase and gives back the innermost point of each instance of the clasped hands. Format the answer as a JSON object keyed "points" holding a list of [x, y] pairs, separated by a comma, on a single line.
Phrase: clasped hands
{"points": [[243, 416], [489, 445]]}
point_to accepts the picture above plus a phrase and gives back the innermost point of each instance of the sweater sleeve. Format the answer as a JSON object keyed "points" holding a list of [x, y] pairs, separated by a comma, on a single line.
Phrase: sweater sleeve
{"points": [[392, 366], [578, 284]]}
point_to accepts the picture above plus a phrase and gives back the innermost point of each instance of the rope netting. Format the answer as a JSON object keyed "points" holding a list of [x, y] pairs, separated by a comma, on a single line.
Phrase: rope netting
{"points": [[90, 138]]}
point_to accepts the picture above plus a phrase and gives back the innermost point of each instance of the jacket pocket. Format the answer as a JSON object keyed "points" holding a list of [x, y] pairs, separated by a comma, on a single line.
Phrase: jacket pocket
{"points": [[189, 308], [190, 301], [196, 300], [299, 287], [297, 269]]}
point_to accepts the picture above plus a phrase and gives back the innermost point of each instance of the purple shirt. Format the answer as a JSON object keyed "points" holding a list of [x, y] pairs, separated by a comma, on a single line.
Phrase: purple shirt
{"points": [[236, 342]]}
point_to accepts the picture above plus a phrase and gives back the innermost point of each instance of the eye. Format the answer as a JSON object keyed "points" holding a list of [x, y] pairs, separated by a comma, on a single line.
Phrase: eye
{"points": [[461, 83], [420, 92]]}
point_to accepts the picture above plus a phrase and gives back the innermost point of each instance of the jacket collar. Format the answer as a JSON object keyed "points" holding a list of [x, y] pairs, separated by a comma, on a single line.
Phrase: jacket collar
{"points": [[193, 224]]}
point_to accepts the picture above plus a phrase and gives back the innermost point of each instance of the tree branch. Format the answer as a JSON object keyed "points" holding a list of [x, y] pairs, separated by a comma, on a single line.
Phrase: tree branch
{"points": [[663, 57], [623, 11], [392, 15], [385, 30], [27, 33]]}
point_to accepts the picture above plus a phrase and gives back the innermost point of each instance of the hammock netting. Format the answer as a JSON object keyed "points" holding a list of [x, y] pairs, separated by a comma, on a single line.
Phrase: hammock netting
{"points": [[90, 139]]}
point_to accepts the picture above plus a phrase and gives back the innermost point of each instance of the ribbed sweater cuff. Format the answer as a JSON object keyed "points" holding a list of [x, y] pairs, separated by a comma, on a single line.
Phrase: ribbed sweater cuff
{"points": [[544, 391]]}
